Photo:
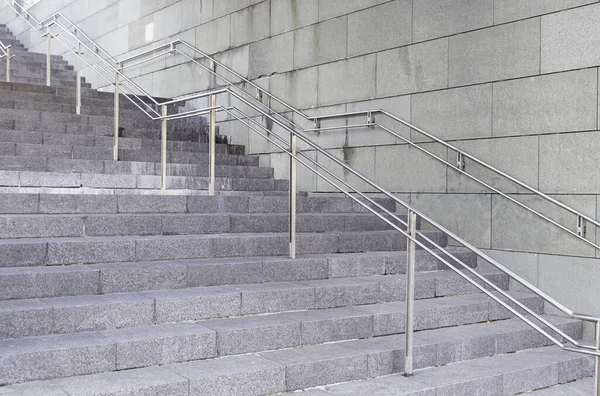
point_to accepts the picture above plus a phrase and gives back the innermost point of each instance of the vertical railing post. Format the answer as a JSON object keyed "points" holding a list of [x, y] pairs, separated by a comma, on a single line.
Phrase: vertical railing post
{"points": [[211, 144], [116, 143], [48, 58], [8, 57], [78, 89], [597, 370], [163, 150], [293, 194], [410, 291]]}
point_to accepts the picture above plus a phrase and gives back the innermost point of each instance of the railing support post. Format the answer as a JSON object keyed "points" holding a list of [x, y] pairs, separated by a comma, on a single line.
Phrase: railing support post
{"points": [[78, 89], [116, 144], [293, 194], [48, 58], [163, 150], [597, 370], [212, 143], [8, 56], [410, 292]]}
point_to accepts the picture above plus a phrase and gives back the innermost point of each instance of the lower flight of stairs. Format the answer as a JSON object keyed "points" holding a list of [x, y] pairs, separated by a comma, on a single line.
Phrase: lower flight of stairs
{"points": [[108, 287]]}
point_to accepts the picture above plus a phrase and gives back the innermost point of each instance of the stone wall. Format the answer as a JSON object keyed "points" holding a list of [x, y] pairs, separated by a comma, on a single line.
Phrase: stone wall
{"points": [[513, 82]]}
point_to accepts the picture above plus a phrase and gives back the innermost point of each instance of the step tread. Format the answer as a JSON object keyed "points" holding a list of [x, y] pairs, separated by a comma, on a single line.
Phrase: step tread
{"points": [[318, 362], [497, 375]]}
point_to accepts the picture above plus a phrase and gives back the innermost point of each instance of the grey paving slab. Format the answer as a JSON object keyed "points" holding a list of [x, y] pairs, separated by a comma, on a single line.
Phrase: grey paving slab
{"points": [[276, 297], [254, 334], [156, 345], [332, 325], [159, 381], [41, 358], [247, 375], [195, 304], [312, 366]]}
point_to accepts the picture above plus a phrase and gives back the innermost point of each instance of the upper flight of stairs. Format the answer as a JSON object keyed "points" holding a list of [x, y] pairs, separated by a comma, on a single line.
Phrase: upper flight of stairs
{"points": [[108, 287]]}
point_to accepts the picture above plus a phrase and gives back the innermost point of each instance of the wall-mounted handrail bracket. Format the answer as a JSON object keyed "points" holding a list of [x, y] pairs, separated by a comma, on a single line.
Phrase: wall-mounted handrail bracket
{"points": [[581, 226], [371, 119], [316, 124], [460, 161]]}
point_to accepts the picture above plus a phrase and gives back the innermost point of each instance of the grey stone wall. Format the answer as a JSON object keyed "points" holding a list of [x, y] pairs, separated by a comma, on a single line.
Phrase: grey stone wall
{"points": [[513, 82]]}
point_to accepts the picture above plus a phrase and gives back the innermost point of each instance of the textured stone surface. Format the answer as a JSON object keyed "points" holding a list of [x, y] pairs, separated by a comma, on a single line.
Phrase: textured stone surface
{"points": [[536, 105], [254, 334], [195, 304], [151, 346], [502, 52], [158, 381], [438, 18], [332, 325], [454, 113], [393, 28], [414, 68], [320, 43], [312, 366], [248, 375], [569, 39]]}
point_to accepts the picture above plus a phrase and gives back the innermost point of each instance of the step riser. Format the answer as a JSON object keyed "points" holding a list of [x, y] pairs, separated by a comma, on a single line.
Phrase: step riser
{"points": [[15, 227], [75, 204], [53, 316], [135, 183], [20, 253], [213, 338], [59, 165]]}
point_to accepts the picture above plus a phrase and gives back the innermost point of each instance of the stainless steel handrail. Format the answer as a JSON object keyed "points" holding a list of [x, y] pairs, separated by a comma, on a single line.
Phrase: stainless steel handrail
{"points": [[415, 239], [465, 154], [586, 349]]}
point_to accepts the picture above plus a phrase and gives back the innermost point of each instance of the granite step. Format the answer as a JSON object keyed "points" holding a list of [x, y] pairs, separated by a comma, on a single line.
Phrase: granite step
{"points": [[197, 346], [148, 224], [508, 374], [8, 138], [60, 281], [25, 180], [86, 204], [373, 301], [584, 387], [91, 250]]}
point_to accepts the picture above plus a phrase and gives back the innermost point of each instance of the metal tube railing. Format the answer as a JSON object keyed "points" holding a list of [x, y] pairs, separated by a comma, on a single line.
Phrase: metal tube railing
{"points": [[582, 349], [468, 156], [430, 221], [6, 52]]}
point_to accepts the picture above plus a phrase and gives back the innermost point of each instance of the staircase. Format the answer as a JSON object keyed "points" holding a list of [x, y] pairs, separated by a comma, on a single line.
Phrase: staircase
{"points": [[109, 288]]}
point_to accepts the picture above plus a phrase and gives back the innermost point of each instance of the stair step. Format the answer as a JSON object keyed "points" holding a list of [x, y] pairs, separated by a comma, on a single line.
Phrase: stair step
{"points": [[88, 204], [319, 364], [22, 140], [43, 282], [584, 387], [91, 250], [109, 167], [499, 375], [93, 225], [63, 315], [35, 180]]}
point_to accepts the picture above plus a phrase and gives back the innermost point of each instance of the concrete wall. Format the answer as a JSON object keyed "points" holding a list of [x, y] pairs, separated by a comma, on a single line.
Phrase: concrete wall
{"points": [[514, 82]]}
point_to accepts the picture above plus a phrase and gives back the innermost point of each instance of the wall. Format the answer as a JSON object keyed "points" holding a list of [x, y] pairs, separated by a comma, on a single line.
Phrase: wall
{"points": [[514, 82]]}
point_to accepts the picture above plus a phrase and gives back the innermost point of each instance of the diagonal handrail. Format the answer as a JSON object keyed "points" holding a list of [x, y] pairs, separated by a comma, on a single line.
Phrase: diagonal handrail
{"points": [[478, 161]]}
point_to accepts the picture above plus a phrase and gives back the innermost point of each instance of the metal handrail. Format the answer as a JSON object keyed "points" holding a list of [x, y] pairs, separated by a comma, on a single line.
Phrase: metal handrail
{"points": [[414, 237], [474, 159], [6, 52], [586, 349]]}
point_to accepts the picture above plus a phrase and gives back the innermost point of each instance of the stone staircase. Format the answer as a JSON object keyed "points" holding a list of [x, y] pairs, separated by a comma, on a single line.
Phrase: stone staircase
{"points": [[108, 288]]}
